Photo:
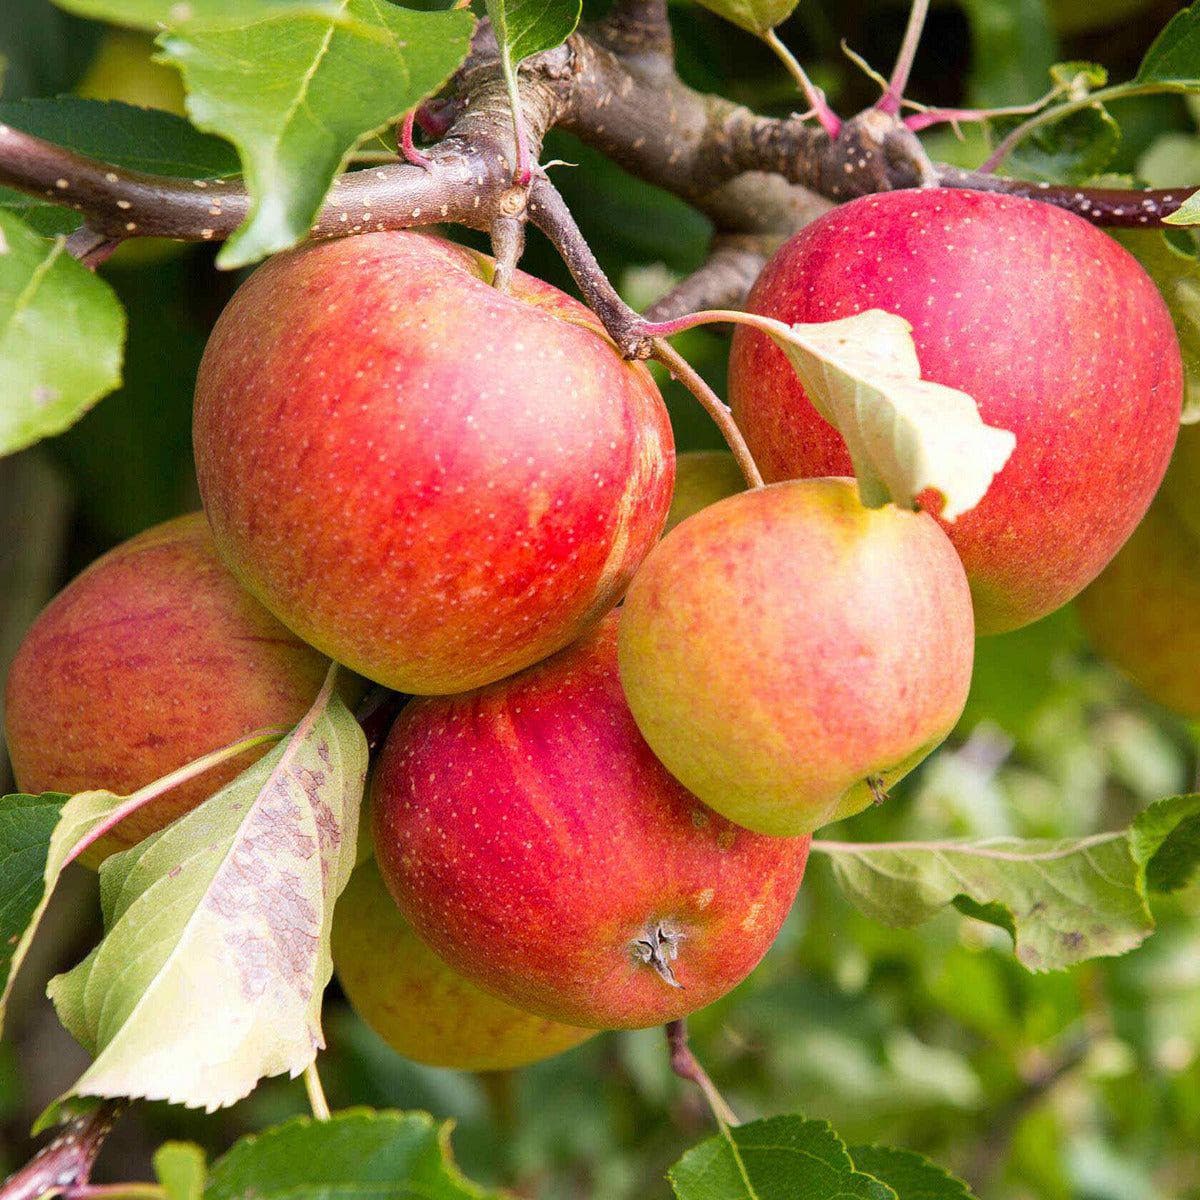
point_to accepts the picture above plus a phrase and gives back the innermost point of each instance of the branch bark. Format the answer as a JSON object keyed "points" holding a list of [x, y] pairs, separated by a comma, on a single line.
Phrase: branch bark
{"points": [[614, 86], [66, 1162]]}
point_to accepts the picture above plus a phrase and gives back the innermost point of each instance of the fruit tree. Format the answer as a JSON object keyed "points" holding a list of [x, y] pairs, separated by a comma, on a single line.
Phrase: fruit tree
{"points": [[547, 545]]}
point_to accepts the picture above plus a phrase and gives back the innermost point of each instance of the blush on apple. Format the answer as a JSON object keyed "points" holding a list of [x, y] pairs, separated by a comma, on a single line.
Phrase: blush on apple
{"points": [[151, 658], [531, 837], [789, 653], [434, 482], [1054, 329]]}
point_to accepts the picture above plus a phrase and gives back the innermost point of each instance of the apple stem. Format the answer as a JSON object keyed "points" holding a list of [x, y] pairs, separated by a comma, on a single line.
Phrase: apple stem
{"points": [[408, 148], [316, 1093], [670, 358], [92, 248], [685, 1064], [829, 120], [508, 244]]}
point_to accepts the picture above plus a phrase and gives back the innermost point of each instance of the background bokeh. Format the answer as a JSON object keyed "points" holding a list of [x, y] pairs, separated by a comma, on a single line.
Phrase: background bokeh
{"points": [[1079, 1086]]}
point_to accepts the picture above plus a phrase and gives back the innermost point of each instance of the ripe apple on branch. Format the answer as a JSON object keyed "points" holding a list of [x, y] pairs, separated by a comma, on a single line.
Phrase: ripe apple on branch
{"points": [[629, 686]]}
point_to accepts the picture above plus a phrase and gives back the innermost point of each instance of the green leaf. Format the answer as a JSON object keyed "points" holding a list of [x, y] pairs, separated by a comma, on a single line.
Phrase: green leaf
{"points": [[142, 139], [61, 337], [1188, 213], [1078, 76], [139, 139], [525, 27], [905, 434], [1174, 56], [40, 835], [198, 14], [217, 946], [1071, 150], [1165, 840], [911, 1176], [181, 1169], [295, 94], [358, 1154], [1063, 900], [1012, 48], [1177, 275], [26, 824], [781, 1158], [755, 16]]}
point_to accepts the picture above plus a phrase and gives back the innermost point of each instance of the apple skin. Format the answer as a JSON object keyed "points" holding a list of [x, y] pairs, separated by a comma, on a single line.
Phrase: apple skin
{"points": [[1143, 612], [781, 646], [1055, 330], [702, 477], [527, 831], [432, 481], [421, 1007], [150, 658]]}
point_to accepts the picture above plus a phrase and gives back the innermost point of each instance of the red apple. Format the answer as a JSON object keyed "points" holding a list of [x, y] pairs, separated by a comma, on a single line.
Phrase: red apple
{"points": [[788, 653], [151, 658], [433, 481], [529, 835], [1051, 326], [421, 1007]]}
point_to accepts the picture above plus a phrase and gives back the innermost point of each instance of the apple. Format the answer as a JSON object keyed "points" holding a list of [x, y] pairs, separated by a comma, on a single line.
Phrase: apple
{"points": [[433, 481], [151, 658], [702, 477], [1143, 612], [529, 834], [788, 653], [417, 1004], [1053, 328]]}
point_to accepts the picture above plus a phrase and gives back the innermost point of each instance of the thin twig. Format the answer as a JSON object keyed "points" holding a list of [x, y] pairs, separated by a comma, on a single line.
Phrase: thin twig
{"points": [[891, 100], [828, 119], [666, 354], [685, 1064], [316, 1093], [66, 1162]]}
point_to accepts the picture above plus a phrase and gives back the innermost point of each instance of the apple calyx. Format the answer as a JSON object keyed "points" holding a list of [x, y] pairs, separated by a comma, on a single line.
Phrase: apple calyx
{"points": [[878, 791], [658, 947]]}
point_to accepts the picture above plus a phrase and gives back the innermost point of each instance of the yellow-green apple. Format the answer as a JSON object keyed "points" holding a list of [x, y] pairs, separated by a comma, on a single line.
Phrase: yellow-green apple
{"points": [[1143, 612], [151, 658], [421, 1007], [702, 477], [1055, 330], [788, 653], [435, 482], [528, 833]]}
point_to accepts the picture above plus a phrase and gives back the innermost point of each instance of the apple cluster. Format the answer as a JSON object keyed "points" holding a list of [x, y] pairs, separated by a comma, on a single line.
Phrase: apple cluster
{"points": [[596, 808]]}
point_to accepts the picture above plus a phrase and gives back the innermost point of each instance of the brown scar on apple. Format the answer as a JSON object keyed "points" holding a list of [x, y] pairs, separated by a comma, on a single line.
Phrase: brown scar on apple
{"points": [[658, 947], [878, 791]]}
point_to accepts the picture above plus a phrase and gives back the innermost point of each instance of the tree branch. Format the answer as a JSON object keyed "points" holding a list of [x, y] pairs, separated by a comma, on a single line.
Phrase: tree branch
{"points": [[615, 87], [66, 1162]]}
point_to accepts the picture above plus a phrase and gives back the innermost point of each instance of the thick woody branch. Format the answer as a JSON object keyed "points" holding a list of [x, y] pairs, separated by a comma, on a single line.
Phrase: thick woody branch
{"points": [[733, 264], [614, 87]]}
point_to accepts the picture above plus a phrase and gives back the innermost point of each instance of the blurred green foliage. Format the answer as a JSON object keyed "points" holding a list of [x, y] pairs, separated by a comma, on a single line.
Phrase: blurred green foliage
{"points": [[1079, 1086]]}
